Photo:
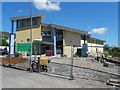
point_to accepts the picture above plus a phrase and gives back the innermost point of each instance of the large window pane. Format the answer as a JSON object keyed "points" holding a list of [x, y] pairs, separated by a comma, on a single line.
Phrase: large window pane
{"points": [[35, 21], [19, 23], [28, 22], [24, 22]]}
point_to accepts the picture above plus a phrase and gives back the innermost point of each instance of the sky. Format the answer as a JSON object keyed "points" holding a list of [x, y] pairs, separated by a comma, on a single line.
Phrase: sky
{"points": [[100, 19]]}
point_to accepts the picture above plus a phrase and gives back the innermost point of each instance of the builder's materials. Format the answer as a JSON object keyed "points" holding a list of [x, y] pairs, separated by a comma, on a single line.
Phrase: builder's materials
{"points": [[14, 60], [43, 63], [113, 82], [108, 64]]}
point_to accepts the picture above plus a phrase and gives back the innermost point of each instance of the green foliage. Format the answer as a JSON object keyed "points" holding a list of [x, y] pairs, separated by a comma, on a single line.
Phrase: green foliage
{"points": [[4, 42], [106, 47], [114, 51]]}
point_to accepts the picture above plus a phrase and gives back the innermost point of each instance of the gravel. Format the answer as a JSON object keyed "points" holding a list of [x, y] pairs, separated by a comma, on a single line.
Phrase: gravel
{"points": [[80, 72]]}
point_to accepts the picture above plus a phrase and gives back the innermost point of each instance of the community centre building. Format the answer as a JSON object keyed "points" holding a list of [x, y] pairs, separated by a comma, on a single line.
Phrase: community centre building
{"points": [[58, 39]]}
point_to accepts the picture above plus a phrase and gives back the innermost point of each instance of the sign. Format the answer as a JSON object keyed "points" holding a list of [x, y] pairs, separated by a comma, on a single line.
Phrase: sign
{"points": [[12, 39]]}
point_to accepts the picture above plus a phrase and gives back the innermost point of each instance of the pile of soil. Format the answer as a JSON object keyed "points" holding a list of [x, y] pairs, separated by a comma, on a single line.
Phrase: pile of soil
{"points": [[14, 60]]}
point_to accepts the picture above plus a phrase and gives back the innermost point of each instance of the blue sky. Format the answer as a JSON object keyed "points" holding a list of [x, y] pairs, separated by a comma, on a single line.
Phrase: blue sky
{"points": [[87, 16]]}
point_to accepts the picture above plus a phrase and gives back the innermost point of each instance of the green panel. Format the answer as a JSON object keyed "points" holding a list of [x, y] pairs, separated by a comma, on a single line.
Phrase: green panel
{"points": [[83, 52], [23, 47]]}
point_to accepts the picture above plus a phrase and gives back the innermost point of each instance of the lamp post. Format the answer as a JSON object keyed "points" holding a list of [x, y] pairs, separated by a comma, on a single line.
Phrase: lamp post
{"points": [[30, 36]]}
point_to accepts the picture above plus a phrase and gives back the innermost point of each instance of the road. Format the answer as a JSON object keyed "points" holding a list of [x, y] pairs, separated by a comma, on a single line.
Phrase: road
{"points": [[13, 78]]}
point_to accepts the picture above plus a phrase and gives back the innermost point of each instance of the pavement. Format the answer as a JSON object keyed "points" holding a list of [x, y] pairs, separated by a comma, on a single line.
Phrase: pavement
{"points": [[13, 78]]}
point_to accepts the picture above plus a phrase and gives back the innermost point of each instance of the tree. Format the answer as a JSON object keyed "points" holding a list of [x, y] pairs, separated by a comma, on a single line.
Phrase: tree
{"points": [[114, 51], [106, 47], [4, 42]]}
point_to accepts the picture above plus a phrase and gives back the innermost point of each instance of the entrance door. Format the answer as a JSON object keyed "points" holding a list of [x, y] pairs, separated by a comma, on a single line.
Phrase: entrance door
{"points": [[44, 48]]}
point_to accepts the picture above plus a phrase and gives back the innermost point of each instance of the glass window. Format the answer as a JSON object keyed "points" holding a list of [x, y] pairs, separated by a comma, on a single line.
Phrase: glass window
{"points": [[24, 22], [92, 41], [59, 37], [46, 33], [19, 23], [28, 22], [101, 43], [35, 21], [96, 42], [88, 41], [82, 37]]}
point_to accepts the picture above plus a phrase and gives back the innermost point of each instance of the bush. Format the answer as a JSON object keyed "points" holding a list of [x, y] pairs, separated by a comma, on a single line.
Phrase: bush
{"points": [[4, 42], [114, 51]]}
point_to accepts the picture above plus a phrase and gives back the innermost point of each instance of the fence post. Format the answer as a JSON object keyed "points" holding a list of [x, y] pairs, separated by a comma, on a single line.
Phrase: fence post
{"points": [[38, 64], [71, 70]]}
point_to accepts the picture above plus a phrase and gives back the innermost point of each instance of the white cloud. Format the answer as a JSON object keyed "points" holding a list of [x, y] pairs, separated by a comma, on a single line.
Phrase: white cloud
{"points": [[98, 30], [46, 5], [19, 11]]}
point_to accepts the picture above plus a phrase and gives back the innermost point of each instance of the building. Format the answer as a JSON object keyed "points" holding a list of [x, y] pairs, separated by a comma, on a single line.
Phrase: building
{"points": [[53, 37], [4, 35]]}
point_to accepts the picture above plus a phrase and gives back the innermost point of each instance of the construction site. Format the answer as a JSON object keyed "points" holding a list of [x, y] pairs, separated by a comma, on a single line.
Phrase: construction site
{"points": [[95, 73], [46, 55], [50, 50]]}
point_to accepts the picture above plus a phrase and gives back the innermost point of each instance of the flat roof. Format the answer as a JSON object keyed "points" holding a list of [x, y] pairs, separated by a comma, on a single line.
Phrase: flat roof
{"points": [[25, 17], [97, 39], [66, 28]]}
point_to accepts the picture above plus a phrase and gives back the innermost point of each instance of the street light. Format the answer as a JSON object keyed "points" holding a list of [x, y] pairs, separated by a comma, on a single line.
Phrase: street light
{"points": [[30, 36]]}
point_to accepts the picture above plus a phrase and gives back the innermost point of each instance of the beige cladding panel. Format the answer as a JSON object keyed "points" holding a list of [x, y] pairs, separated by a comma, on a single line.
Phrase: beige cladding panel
{"points": [[67, 51], [71, 38], [23, 35], [95, 48], [36, 34], [44, 28]]}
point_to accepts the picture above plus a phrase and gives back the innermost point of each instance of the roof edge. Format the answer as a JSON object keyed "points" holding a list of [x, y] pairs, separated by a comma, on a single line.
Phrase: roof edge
{"points": [[24, 17], [66, 28], [97, 39]]}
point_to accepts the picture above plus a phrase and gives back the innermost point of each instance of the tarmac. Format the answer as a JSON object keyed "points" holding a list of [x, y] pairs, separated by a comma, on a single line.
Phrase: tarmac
{"points": [[13, 78]]}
